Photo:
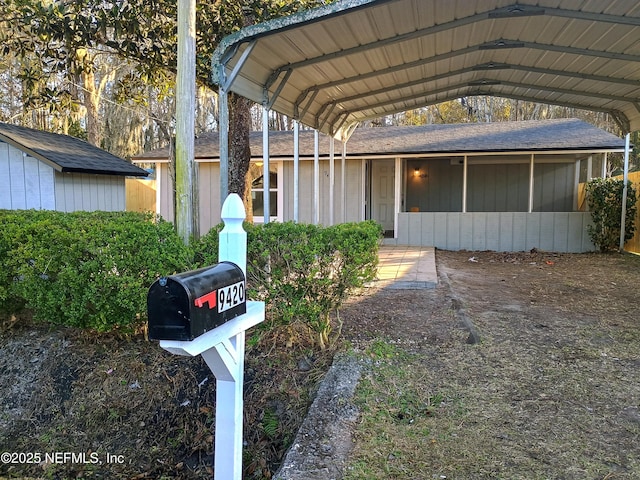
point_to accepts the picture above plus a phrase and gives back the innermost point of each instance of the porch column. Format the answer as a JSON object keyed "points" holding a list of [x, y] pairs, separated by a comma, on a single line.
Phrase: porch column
{"points": [[531, 169], [605, 159], [316, 178], [296, 170], [265, 165], [465, 165], [363, 184], [332, 178], [397, 194], [589, 167], [576, 186], [343, 190]]}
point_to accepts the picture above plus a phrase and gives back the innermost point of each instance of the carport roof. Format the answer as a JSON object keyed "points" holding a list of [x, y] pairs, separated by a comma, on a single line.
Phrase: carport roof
{"points": [[354, 60]]}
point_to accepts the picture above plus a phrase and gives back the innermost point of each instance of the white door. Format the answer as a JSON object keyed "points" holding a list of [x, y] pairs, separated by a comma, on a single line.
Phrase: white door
{"points": [[382, 193]]}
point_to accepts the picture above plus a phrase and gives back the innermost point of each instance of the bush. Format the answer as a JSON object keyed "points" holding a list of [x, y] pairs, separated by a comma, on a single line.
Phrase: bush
{"points": [[604, 197], [85, 269], [303, 271], [93, 269]]}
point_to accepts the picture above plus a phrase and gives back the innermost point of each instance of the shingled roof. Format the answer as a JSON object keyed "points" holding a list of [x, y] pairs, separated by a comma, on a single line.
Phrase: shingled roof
{"points": [[65, 153], [555, 135]]}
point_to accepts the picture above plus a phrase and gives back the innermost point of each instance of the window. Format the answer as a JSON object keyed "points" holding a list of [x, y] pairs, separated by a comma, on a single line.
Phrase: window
{"points": [[275, 197]]}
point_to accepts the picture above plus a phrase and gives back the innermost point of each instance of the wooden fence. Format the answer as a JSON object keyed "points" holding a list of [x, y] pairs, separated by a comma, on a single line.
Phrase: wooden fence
{"points": [[141, 195], [632, 245]]}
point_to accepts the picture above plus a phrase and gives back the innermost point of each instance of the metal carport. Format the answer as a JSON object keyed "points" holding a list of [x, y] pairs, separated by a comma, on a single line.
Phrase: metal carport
{"points": [[353, 60]]}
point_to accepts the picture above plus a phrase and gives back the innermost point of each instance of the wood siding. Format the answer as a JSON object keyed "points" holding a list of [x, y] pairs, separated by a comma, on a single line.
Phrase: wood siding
{"points": [[497, 231], [633, 245], [140, 195], [353, 195], [87, 192], [27, 183], [208, 177], [165, 187]]}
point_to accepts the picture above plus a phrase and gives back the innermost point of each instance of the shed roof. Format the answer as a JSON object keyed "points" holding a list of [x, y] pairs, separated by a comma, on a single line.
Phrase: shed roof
{"points": [[557, 135], [65, 153], [353, 60]]}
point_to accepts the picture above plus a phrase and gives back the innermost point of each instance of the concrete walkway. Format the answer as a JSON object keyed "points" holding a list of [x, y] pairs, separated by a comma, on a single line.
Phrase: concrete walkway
{"points": [[403, 267]]}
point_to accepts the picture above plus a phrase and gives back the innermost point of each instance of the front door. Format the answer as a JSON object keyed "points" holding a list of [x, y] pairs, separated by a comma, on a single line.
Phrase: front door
{"points": [[382, 194]]}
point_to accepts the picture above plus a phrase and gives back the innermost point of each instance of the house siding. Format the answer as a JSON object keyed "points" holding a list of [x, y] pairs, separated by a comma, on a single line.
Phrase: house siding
{"points": [[87, 192], [208, 178], [353, 195], [28, 183], [497, 231]]}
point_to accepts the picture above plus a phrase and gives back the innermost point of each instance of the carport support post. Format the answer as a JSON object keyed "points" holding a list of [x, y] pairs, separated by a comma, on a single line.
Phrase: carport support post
{"points": [[623, 220]]}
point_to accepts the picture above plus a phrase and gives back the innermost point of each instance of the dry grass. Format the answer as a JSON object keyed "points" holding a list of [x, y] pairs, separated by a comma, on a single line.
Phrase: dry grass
{"points": [[550, 393], [67, 391]]}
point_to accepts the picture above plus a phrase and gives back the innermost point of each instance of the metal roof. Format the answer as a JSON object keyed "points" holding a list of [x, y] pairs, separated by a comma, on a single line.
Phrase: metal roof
{"points": [[66, 154], [354, 60]]}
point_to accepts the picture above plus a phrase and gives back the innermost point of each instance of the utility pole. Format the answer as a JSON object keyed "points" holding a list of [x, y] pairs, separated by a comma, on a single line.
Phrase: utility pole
{"points": [[186, 175]]}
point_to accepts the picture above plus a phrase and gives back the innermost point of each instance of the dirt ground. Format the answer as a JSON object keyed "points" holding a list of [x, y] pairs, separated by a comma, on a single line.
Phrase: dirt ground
{"points": [[552, 389]]}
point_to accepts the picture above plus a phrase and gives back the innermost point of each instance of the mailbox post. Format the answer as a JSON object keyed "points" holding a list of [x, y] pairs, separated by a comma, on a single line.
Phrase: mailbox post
{"points": [[222, 347]]}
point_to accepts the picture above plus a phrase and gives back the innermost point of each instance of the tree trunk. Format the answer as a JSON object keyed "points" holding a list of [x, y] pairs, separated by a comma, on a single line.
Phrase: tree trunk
{"points": [[240, 149], [91, 104]]}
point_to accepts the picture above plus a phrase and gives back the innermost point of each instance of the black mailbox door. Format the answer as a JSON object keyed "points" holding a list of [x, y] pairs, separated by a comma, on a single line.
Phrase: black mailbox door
{"points": [[168, 310]]}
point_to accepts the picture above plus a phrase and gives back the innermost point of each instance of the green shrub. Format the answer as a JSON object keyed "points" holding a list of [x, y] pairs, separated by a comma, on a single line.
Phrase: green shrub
{"points": [[303, 271], [93, 269], [86, 269], [604, 197]]}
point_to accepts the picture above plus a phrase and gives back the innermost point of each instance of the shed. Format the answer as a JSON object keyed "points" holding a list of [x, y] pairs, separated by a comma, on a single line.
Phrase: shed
{"points": [[497, 186], [49, 171]]}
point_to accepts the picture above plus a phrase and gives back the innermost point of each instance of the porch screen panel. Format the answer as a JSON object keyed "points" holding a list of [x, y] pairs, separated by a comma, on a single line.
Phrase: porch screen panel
{"points": [[498, 187], [553, 187], [439, 190]]}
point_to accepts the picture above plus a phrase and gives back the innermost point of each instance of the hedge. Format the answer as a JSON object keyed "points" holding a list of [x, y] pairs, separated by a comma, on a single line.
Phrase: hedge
{"points": [[93, 269], [85, 269], [303, 271]]}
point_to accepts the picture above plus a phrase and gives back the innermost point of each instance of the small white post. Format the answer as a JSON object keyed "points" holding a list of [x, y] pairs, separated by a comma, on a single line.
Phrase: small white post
{"points": [[625, 179], [223, 350]]}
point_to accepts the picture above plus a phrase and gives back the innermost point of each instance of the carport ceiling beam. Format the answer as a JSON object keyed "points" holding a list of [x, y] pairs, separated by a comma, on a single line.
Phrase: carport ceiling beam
{"points": [[617, 116], [490, 82], [494, 44], [548, 71], [482, 67], [505, 43], [564, 91], [456, 93]]}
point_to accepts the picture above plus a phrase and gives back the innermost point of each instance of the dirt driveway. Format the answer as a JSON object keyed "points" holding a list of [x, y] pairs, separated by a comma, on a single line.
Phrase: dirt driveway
{"points": [[552, 391]]}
